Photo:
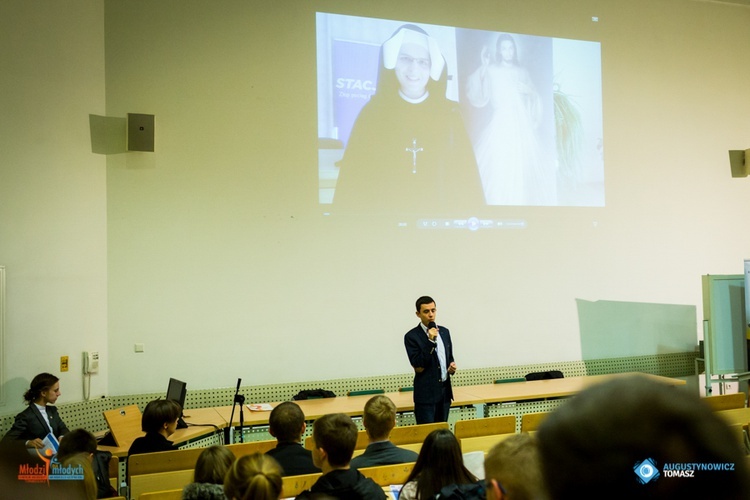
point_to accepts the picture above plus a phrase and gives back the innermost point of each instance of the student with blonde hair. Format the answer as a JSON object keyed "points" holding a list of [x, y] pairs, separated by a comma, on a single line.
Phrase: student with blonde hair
{"points": [[379, 420], [513, 470], [254, 477]]}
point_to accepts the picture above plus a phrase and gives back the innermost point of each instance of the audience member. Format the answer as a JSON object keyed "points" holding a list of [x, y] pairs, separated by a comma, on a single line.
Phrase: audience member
{"points": [[159, 421], [439, 464], [335, 437], [77, 442], [287, 425], [82, 462], [379, 420], [33, 424], [634, 437], [208, 478], [254, 477], [512, 470]]}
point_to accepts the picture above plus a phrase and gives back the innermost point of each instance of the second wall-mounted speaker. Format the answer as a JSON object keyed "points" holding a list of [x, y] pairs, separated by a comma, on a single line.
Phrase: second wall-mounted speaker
{"points": [[140, 132], [738, 160]]}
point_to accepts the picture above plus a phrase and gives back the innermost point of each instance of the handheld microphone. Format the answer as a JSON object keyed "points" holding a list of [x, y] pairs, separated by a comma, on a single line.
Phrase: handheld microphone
{"points": [[432, 325]]}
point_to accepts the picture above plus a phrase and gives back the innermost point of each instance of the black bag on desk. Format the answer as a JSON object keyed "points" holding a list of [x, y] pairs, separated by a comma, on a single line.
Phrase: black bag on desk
{"points": [[545, 375], [313, 394]]}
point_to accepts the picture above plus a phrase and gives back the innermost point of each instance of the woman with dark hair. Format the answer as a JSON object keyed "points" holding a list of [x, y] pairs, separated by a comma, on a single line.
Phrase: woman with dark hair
{"points": [[159, 421], [34, 423], [408, 149], [208, 477], [440, 463]]}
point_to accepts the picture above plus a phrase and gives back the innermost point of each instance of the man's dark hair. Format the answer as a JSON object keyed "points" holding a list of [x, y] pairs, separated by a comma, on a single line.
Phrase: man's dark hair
{"points": [[76, 441], [286, 422], [337, 435], [592, 446], [159, 412], [424, 299]]}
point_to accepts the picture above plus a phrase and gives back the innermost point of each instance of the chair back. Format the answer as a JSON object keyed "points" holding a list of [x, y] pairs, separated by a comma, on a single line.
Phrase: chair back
{"points": [[485, 426]]}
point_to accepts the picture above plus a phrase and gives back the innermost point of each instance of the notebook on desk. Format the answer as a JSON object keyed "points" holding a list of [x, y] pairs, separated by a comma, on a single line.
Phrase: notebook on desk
{"points": [[124, 425]]}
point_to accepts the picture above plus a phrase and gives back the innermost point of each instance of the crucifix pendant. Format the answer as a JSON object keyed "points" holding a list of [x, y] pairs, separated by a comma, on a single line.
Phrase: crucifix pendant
{"points": [[414, 150]]}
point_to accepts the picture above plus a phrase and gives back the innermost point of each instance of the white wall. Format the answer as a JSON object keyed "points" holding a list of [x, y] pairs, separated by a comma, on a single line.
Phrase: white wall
{"points": [[52, 193], [219, 260], [223, 266]]}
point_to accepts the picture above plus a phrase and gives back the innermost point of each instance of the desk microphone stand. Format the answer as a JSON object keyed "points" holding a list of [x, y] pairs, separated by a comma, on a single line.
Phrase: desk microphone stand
{"points": [[238, 399]]}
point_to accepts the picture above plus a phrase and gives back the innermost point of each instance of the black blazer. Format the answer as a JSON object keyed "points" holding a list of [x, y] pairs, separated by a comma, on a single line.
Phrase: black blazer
{"points": [[30, 424], [383, 453], [152, 441], [423, 354], [293, 458]]}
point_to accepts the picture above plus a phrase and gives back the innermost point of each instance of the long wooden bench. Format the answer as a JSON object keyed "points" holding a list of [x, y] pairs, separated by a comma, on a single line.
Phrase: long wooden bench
{"points": [[168, 485], [165, 470], [485, 426], [402, 435], [165, 461], [162, 495], [386, 475], [294, 485], [726, 401], [530, 421], [159, 481], [383, 475], [482, 443]]}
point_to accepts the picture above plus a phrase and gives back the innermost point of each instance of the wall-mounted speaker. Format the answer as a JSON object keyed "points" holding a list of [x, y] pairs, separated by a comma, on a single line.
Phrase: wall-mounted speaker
{"points": [[140, 132], [738, 160]]}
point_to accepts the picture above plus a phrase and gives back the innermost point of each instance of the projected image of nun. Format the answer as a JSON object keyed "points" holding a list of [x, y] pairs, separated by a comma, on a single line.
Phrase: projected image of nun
{"points": [[512, 164], [408, 149]]}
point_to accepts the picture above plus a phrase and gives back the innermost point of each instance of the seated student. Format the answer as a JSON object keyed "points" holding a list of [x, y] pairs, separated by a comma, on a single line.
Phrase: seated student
{"points": [[159, 421], [633, 437], [512, 470], [335, 437], [40, 418], [254, 477], [379, 420], [439, 464], [77, 450], [208, 478], [80, 461], [287, 424], [77, 441]]}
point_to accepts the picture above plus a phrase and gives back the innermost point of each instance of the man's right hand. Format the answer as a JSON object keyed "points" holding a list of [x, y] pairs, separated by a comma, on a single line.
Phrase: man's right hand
{"points": [[433, 333]]}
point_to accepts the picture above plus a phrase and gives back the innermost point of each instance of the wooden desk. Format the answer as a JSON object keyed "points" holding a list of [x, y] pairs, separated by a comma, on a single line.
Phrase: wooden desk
{"points": [[553, 388], [201, 422], [350, 405], [354, 405]]}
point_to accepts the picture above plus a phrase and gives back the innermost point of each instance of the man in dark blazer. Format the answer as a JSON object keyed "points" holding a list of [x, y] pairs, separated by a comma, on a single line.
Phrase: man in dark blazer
{"points": [[379, 420], [30, 425], [287, 425], [430, 353]]}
